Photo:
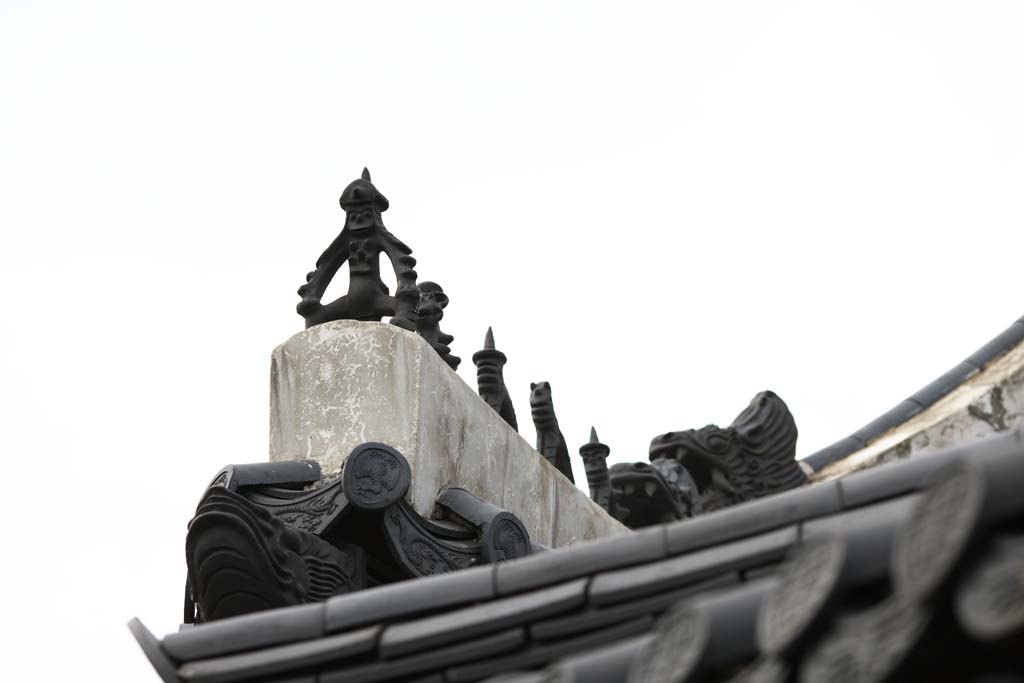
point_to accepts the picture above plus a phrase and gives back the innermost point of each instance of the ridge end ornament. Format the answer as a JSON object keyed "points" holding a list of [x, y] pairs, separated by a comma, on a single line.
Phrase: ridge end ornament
{"points": [[432, 303], [595, 463], [362, 240], [550, 442], [490, 380]]}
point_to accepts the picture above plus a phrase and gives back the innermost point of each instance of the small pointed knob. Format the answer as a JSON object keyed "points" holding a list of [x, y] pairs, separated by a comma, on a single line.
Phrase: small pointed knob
{"points": [[489, 340]]}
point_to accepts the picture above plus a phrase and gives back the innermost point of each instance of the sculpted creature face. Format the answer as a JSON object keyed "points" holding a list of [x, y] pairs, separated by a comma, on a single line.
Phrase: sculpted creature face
{"points": [[540, 392], [594, 458], [643, 496], [362, 218], [703, 452], [432, 302]]}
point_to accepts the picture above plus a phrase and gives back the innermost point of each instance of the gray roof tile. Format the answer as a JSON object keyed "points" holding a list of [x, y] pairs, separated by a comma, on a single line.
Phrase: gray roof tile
{"points": [[601, 665], [542, 654], [586, 558], [763, 514], [432, 661], [1007, 339], [410, 597], [414, 636], [592, 619], [247, 632], [283, 658], [676, 572]]}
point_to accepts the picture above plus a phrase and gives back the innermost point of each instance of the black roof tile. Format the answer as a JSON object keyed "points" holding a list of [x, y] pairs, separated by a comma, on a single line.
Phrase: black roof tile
{"points": [[1007, 339], [705, 635], [603, 665], [427, 662], [154, 653], [833, 452], [626, 584], [763, 514], [283, 658], [586, 558], [413, 636], [891, 418], [890, 512], [572, 609], [519, 677], [410, 597], [591, 619], [906, 476], [945, 383], [542, 654], [247, 632]]}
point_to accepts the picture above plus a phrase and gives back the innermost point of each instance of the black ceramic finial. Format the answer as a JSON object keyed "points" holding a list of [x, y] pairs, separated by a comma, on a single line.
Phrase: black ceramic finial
{"points": [[362, 240], [550, 442], [432, 303], [490, 380], [752, 457], [595, 455]]}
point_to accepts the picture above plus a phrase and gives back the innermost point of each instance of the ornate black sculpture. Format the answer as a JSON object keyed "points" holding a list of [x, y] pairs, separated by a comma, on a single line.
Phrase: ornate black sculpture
{"points": [[595, 456], [262, 538], [644, 494], [362, 240], [751, 458], [433, 300], [550, 442], [490, 380]]}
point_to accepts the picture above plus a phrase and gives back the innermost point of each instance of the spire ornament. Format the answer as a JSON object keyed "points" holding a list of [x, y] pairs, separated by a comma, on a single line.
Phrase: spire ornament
{"points": [[360, 243], [595, 455], [490, 380]]}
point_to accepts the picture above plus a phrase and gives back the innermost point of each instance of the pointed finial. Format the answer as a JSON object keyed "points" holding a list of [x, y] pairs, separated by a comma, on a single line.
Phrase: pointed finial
{"points": [[489, 340], [593, 436], [366, 173]]}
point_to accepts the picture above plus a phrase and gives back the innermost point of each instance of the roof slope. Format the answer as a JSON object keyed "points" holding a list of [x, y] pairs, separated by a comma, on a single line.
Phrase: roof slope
{"points": [[595, 611], [920, 400]]}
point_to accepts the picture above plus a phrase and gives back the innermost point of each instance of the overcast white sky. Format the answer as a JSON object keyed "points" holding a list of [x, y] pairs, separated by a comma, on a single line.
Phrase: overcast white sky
{"points": [[661, 209]]}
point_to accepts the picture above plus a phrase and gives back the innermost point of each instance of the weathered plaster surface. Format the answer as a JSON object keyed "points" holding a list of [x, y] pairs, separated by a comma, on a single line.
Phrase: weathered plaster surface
{"points": [[340, 384], [990, 402]]}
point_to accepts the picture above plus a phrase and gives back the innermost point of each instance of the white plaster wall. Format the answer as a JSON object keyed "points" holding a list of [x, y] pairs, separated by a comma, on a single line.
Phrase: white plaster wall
{"points": [[340, 384]]}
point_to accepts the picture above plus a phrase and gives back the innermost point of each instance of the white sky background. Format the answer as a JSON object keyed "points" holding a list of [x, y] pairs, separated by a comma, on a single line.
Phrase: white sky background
{"points": [[661, 210]]}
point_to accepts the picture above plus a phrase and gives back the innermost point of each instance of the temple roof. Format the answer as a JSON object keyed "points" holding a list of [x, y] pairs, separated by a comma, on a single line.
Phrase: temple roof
{"points": [[594, 611], [921, 399]]}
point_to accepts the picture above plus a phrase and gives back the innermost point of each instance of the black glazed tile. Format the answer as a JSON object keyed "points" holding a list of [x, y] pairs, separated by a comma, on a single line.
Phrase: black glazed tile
{"points": [[247, 632], [154, 653], [892, 418], [602, 665], [1007, 339], [945, 384], [627, 584], [757, 516], [830, 454], [592, 619], [586, 558], [249, 666], [432, 661], [413, 636], [406, 598], [540, 655]]}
